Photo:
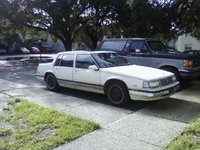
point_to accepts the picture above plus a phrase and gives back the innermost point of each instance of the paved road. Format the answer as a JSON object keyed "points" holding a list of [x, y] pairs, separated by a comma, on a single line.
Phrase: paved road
{"points": [[138, 126]]}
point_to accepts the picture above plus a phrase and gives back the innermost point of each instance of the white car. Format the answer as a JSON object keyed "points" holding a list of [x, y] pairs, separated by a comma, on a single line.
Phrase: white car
{"points": [[24, 50], [109, 74]]}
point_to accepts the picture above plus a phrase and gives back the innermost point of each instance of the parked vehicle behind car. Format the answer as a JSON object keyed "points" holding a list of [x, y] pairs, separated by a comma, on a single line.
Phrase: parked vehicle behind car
{"points": [[34, 50], [35, 45], [24, 50], [46, 49], [152, 53], [109, 74], [3, 51]]}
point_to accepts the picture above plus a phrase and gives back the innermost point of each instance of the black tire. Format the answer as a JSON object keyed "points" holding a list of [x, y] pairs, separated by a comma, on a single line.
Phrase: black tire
{"points": [[117, 93], [174, 71], [51, 82]]}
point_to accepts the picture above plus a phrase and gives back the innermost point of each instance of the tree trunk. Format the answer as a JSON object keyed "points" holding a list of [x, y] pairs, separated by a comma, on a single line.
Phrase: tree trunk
{"points": [[94, 41], [66, 39], [93, 36], [68, 44]]}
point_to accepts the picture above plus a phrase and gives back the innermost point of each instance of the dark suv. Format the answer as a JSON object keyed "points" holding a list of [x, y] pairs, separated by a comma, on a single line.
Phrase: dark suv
{"points": [[153, 53]]}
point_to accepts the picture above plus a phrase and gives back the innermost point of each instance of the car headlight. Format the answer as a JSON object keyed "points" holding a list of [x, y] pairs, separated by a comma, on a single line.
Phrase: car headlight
{"points": [[174, 78], [151, 84]]}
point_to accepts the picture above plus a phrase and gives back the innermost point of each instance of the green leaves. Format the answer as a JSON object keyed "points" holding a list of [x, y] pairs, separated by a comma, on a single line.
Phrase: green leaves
{"points": [[91, 20], [187, 18]]}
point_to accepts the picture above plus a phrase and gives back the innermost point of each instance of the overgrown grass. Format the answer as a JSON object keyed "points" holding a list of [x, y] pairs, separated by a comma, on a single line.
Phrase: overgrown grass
{"points": [[5, 131], [189, 139], [36, 127]]}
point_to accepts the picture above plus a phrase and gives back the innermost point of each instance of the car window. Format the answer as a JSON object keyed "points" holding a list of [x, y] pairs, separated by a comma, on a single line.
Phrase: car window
{"points": [[105, 60], [126, 48], [84, 61], [67, 60], [58, 60], [113, 45], [157, 46], [140, 45]]}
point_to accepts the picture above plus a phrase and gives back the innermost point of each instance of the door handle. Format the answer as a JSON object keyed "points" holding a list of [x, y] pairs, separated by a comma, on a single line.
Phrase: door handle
{"points": [[75, 71]]}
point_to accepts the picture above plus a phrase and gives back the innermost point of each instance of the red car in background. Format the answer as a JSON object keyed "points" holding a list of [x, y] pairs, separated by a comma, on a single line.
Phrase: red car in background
{"points": [[45, 49], [34, 50]]}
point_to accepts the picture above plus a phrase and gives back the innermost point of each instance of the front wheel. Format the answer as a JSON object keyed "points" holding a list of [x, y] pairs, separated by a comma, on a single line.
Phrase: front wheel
{"points": [[117, 93], [51, 82]]}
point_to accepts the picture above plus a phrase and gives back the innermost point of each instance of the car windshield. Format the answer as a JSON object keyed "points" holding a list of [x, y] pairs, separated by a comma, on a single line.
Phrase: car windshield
{"points": [[157, 46], [106, 60]]}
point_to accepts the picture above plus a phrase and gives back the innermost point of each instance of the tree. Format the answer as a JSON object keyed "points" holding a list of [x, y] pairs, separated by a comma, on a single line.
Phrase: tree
{"points": [[67, 19], [61, 18], [101, 16], [147, 19], [3, 13], [186, 17]]}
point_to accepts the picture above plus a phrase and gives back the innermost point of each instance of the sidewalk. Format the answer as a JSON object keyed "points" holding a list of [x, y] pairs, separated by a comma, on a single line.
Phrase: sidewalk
{"points": [[151, 128]]}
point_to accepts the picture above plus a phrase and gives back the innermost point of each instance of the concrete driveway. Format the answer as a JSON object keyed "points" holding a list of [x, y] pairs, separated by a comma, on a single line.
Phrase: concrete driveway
{"points": [[138, 126]]}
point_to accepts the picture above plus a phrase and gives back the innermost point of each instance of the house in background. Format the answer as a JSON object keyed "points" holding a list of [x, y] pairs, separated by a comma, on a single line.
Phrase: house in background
{"points": [[44, 42], [58, 46], [185, 42]]}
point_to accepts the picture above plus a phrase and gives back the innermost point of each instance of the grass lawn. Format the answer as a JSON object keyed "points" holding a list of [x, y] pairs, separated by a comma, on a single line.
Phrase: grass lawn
{"points": [[30, 126], [189, 139]]}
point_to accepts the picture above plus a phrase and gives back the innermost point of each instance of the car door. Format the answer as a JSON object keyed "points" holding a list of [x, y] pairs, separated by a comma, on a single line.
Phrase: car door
{"points": [[84, 77], [63, 68], [139, 53]]}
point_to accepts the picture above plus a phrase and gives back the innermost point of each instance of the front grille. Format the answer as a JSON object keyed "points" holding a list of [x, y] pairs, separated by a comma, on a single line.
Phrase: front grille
{"points": [[166, 81]]}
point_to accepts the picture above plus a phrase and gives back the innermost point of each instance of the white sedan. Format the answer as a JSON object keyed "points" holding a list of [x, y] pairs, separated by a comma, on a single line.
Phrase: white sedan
{"points": [[109, 74]]}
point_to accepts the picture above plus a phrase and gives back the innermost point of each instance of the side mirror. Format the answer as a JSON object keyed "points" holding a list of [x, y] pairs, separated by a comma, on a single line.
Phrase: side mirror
{"points": [[93, 67]]}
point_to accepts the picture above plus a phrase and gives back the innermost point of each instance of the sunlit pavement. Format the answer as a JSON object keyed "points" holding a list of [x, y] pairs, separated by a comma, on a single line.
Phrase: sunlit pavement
{"points": [[140, 125], [191, 93]]}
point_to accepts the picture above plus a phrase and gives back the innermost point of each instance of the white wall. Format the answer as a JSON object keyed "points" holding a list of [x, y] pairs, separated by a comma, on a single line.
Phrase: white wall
{"points": [[57, 45], [187, 42]]}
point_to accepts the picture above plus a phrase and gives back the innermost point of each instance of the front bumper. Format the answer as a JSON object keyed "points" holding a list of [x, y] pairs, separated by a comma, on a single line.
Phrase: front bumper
{"points": [[190, 74], [39, 77], [154, 94]]}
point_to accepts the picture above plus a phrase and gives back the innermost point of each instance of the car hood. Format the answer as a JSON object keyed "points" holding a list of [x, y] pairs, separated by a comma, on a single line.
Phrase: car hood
{"points": [[141, 72]]}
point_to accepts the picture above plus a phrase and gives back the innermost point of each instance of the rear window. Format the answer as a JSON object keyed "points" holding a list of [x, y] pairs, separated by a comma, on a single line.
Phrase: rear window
{"points": [[67, 60], [113, 45]]}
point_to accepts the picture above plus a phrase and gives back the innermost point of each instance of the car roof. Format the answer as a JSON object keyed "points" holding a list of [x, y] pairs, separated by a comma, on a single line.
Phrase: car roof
{"points": [[124, 39], [85, 52]]}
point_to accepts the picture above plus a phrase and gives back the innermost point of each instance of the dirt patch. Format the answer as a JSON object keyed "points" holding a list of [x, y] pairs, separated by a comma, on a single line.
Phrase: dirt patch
{"points": [[47, 132], [3, 123], [5, 138]]}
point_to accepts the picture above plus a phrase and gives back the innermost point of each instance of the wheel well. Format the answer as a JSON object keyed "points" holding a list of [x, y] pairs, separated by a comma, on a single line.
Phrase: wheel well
{"points": [[111, 81], [45, 76], [173, 70], [169, 67]]}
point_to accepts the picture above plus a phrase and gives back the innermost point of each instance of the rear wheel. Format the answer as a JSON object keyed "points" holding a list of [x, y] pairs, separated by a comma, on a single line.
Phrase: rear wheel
{"points": [[51, 82], [117, 93]]}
